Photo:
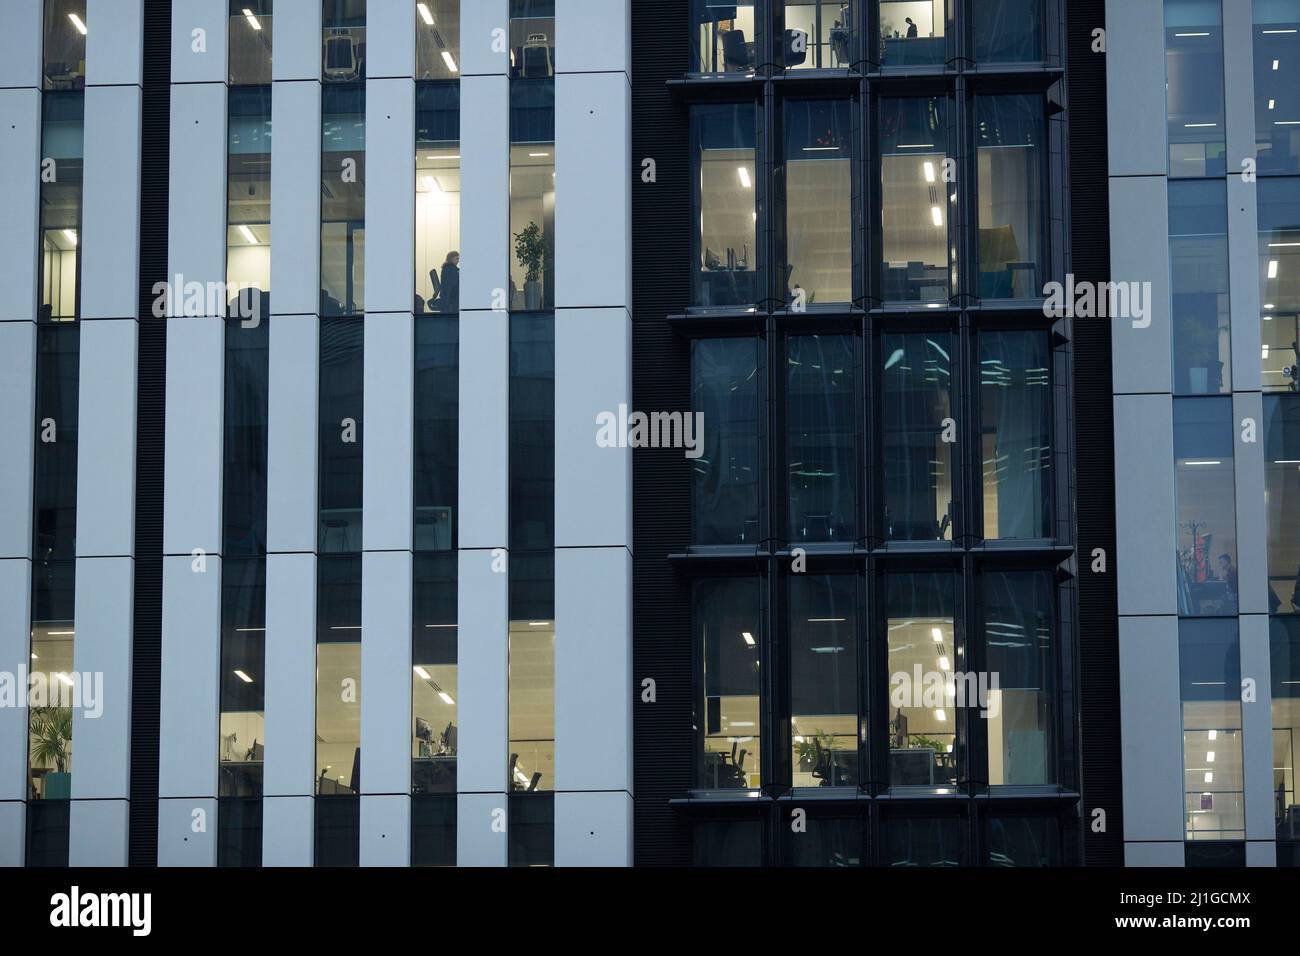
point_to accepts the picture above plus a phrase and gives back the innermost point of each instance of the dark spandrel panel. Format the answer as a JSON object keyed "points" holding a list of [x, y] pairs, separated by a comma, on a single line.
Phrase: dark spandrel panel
{"points": [[1023, 841], [925, 841], [532, 829], [532, 111], [433, 830], [338, 831], [239, 831], [729, 843], [58, 357], [437, 430], [726, 477], [47, 832], [826, 841], [338, 608], [246, 401], [1008, 31], [532, 432], [532, 586], [821, 438], [1214, 853], [342, 433], [437, 113], [1288, 855]]}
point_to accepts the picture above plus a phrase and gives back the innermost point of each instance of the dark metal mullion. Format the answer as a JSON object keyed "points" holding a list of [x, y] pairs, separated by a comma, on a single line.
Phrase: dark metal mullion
{"points": [[972, 616], [872, 667]]}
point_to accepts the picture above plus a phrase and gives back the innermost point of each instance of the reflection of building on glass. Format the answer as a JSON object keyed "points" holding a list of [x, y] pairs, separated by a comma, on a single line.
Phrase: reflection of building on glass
{"points": [[918, 462], [1278, 206]]}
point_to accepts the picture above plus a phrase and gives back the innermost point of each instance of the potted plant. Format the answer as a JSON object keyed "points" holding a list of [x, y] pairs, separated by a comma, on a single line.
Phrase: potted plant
{"points": [[51, 739], [530, 250]]}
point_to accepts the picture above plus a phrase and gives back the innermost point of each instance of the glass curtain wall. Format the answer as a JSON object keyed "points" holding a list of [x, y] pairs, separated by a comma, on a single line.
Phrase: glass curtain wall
{"points": [[918, 201], [1198, 276], [1205, 508], [1194, 87], [1209, 666], [818, 176]]}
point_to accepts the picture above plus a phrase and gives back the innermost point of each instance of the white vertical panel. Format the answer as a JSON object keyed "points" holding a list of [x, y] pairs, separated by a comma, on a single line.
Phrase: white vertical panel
{"points": [[20, 171], [20, 42], [1257, 726], [13, 832], [179, 844], [106, 410], [292, 421], [390, 195], [196, 212], [17, 436], [482, 49], [386, 828], [1135, 94], [482, 820], [15, 648], [101, 726], [593, 829], [387, 465], [193, 473], [1143, 854], [595, 36], [1144, 504], [110, 218], [290, 761], [199, 29], [1238, 83], [390, 39], [1139, 252], [114, 43], [296, 40], [1243, 281], [386, 673], [288, 831], [295, 197], [98, 832], [1261, 853], [485, 192], [190, 678], [1151, 715]]}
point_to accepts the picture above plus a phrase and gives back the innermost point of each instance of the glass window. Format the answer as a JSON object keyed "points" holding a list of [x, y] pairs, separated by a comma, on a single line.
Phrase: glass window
{"points": [[1019, 651], [50, 692], [826, 841], [729, 843], [1008, 31], [1206, 508], [532, 432], [239, 831], [1194, 87], [250, 41], [1012, 197], [1284, 645], [1209, 667], [343, 200], [918, 462], [342, 380], [437, 198], [437, 431], [818, 34], [824, 680], [1198, 275], [532, 39], [338, 676], [47, 832], [437, 39], [725, 488], [243, 507], [338, 831], [925, 841], [243, 677], [1016, 434], [729, 624], [248, 203], [62, 132], [914, 32], [819, 200], [917, 201], [725, 206], [58, 362], [532, 674], [927, 731], [343, 43], [532, 195], [1282, 501], [65, 45], [434, 690], [532, 829], [1278, 206], [821, 437], [1023, 841], [723, 37], [1277, 78], [433, 830]]}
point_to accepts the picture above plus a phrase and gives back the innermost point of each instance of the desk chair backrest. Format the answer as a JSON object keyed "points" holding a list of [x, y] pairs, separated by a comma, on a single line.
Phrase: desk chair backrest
{"points": [[734, 50]]}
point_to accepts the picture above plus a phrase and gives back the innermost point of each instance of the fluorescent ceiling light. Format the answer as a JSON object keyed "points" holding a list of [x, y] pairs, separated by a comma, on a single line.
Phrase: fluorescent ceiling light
{"points": [[744, 177], [825, 620], [1191, 34], [749, 638], [1275, 64], [944, 664], [1272, 268], [1209, 777], [440, 625], [77, 22], [937, 215], [1199, 125], [70, 235], [1286, 122], [538, 155], [59, 633], [252, 20], [451, 63], [916, 145], [940, 715], [446, 698], [424, 13], [1283, 245], [929, 171], [1265, 351], [538, 623], [1209, 757], [1268, 305], [1271, 103], [1292, 30], [345, 627], [64, 678], [1214, 734], [443, 156], [244, 677], [420, 672], [248, 235], [249, 630], [1202, 463], [937, 635]]}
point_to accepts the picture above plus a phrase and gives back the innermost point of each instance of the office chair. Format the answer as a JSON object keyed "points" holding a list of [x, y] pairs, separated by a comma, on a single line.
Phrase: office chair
{"points": [[532, 784], [437, 284]]}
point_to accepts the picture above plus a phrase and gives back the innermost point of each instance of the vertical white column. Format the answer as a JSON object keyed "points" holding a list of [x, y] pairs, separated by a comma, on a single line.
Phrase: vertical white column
{"points": [[593, 487], [20, 137], [110, 249], [288, 834], [191, 616], [484, 447], [388, 459]]}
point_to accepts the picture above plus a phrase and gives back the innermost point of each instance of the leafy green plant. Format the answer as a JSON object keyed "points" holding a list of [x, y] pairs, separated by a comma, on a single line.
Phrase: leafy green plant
{"points": [[51, 736], [920, 740], [530, 250]]}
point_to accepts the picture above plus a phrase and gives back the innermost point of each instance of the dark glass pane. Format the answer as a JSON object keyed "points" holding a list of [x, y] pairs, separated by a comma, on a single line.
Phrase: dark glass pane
{"points": [[725, 253], [817, 35], [927, 731], [434, 687], [47, 832], [1008, 31], [729, 843], [1024, 841], [1206, 510], [1020, 649], [723, 36], [532, 432], [243, 676], [343, 49], [1198, 267], [925, 842], [1012, 196], [1282, 501], [827, 841], [1209, 669], [918, 462], [821, 438], [437, 39], [58, 364], [1284, 648], [1016, 441], [342, 389], [532, 39], [1277, 79], [818, 202], [65, 44], [918, 201], [243, 503], [239, 831], [729, 624], [824, 680], [338, 677], [1214, 855], [433, 830], [725, 390], [343, 196], [1278, 209], [62, 148], [1194, 86], [532, 829], [914, 32], [338, 831], [250, 37], [437, 431]]}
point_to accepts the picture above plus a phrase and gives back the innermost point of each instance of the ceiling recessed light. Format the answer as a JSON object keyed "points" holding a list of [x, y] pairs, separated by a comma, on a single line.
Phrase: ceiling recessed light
{"points": [[244, 677], [248, 235], [78, 23], [745, 181], [420, 672], [749, 638], [1272, 268], [424, 13], [451, 63], [252, 20]]}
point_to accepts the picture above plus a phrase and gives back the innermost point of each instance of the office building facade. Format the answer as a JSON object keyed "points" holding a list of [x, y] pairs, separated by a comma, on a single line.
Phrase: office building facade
{"points": [[606, 432]]}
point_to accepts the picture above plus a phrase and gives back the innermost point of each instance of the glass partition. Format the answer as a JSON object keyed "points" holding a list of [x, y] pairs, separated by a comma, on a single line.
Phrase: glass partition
{"points": [[1277, 80], [925, 841], [1209, 667], [1198, 276], [914, 32], [1194, 87], [725, 478], [437, 39], [1012, 195], [1205, 506], [728, 622], [821, 438], [918, 200], [823, 680], [918, 463], [723, 37], [818, 203], [1278, 205], [1016, 426], [725, 206]]}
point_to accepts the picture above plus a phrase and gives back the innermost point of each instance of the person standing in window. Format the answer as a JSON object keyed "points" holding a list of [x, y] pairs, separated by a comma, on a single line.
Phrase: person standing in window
{"points": [[449, 296], [911, 28]]}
